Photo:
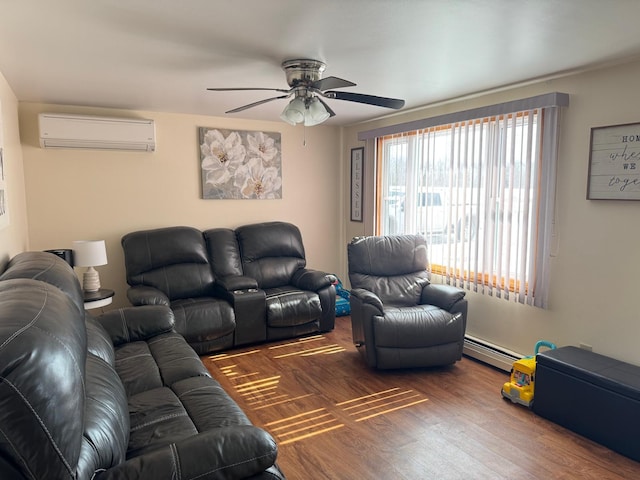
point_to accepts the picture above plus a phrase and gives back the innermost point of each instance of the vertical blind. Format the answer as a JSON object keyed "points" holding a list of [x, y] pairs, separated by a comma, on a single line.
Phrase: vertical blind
{"points": [[482, 191]]}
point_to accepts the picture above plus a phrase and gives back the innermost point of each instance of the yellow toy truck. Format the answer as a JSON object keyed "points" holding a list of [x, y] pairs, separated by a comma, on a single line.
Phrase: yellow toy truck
{"points": [[519, 388]]}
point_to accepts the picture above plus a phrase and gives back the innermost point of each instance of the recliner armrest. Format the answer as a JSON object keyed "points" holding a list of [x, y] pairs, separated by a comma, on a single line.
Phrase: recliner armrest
{"points": [[227, 452], [144, 295], [443, 296], [231, 283], [132, 324], [313, 280], [365, 296]]}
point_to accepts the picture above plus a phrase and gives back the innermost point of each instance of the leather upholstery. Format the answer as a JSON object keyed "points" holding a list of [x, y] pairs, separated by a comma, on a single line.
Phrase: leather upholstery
{"points": [[298, 300], [399, 319], [170, 266], [118, 396], [230, 287], [591, 394]]}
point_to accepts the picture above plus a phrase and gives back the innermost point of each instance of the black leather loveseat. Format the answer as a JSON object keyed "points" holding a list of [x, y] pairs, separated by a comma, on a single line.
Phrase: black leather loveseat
{"points": [[121, 396], [230, 287]]}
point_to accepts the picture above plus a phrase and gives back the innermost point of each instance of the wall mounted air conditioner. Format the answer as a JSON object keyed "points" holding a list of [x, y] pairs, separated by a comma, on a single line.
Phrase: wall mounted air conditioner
{"points": [[102, 133]]}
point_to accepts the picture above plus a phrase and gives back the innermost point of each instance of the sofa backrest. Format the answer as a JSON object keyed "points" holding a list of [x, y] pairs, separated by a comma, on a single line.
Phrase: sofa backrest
{"points": [[271, 252], [393, 267], [172, 259], [63, 410], [224, 252], [49, 268], [42, 365]]}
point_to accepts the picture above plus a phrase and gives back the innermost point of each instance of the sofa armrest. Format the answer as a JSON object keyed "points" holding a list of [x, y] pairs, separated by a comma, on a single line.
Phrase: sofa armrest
{"points": [[144, 295], [232, 283], [443, 296], [224, 453], [313, 280], [369, 298], [132, 324]]}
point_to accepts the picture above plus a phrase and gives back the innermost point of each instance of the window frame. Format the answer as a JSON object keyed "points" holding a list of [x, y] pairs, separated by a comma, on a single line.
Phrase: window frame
{"points": [[535, 292]]}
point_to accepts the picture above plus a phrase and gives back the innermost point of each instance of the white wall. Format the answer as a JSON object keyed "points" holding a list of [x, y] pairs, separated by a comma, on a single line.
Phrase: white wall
{"points": [[90, 194], [14, 238], [594, 278]]}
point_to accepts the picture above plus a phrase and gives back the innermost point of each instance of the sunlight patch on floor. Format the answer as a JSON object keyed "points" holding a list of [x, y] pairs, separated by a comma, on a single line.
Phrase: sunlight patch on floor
{"points": [[381, 403], [226, 356], [303, 425], [326, 350]]}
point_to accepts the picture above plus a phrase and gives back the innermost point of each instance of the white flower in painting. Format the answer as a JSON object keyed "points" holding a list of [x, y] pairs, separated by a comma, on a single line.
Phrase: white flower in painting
{"points": [[256, 181], [221, 156], [263, 146]]}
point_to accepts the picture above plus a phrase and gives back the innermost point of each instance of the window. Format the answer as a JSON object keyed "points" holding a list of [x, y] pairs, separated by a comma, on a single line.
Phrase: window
{"points": [[481, 190]]}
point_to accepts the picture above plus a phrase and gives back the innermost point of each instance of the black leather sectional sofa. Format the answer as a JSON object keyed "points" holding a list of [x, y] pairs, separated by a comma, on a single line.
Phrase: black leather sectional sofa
{"points": [[121, 396], [230, 287]]}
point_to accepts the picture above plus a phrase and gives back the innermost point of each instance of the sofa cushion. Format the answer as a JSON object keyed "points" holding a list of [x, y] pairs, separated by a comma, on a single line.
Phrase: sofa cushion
{"points": [[203, 319], [106, 425], [287, 306], [157, 418], [208, 404], [419, 326], [168, 415], [157, 363]]}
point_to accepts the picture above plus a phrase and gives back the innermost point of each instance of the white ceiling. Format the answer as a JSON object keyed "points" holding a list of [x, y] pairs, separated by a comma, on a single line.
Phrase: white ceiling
{"points": [[161, 55]]}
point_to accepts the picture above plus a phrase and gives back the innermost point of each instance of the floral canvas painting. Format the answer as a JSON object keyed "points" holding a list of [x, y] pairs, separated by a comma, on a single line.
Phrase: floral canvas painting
{"points": [[240, 164]]}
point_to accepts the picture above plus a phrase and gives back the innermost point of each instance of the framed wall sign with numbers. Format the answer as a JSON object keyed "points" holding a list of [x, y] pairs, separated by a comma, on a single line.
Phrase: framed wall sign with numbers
{"points": [[614, 163], [357, 177]]}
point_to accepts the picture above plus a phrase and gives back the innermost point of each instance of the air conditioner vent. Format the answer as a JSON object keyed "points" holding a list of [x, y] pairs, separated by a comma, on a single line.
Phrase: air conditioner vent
{"points": [[101, 133]]}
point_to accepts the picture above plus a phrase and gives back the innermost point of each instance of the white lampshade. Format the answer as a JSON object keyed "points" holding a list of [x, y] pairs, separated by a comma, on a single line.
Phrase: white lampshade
{"points": [[90, 253], [294, 112], [316, 113]]}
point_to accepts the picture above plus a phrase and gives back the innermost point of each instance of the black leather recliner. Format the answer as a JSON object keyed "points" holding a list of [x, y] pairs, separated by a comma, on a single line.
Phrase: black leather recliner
{"points": [[261, 270], [170, 266], [298, 300], [399, 318]]}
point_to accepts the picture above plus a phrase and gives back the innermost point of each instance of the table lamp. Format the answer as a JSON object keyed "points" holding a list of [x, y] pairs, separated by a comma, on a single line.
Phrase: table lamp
{"points": [[89, 253]]}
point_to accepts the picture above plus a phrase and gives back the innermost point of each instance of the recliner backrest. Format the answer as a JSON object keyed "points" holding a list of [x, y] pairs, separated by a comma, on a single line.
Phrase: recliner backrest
{"points": [[172, 259], [394, 267], [271, 252], [224, 252]]}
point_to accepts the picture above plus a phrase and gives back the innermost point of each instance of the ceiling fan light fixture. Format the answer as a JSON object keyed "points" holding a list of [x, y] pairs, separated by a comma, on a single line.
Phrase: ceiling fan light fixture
{"points": [[294, 112], [316, 113]]}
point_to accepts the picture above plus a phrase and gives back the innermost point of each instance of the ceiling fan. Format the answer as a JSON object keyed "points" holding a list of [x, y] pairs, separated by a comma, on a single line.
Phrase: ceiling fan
{"points": [[304, 77]]}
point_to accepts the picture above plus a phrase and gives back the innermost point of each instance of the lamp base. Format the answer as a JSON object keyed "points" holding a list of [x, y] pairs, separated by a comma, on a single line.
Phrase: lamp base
{"points": [[91, 280]]}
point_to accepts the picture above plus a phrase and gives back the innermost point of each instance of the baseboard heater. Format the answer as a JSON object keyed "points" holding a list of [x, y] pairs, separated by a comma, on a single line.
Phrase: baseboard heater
{"points": [[488, 353]]}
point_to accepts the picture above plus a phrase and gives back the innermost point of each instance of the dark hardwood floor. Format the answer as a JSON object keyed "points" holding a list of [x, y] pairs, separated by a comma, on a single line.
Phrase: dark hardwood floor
{"points": [[334, 418]]}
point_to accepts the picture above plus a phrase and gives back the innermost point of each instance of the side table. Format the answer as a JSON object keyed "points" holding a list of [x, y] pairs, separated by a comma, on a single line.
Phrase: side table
{"points": [[101, 298]]}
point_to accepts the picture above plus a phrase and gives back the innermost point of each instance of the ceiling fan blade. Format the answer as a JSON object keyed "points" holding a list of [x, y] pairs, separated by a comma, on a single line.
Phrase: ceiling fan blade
{"points": [[331, 82], [368, 99], [329, 111], [255, 104], [246, 89]]}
